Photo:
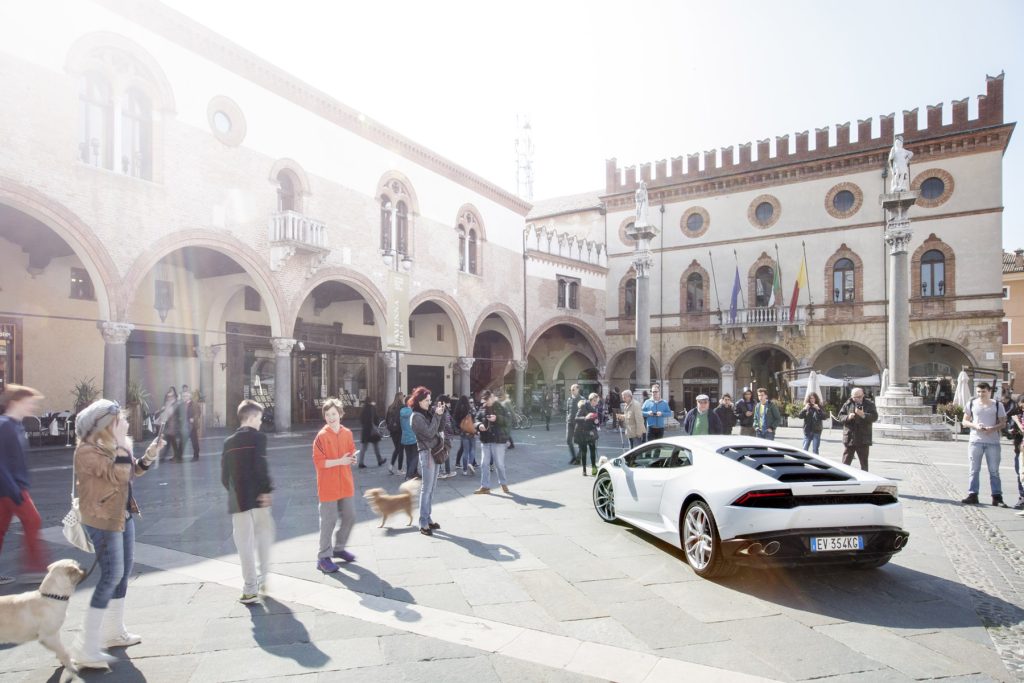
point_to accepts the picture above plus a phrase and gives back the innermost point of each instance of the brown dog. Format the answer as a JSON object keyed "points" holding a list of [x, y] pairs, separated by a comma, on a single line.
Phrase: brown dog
{"points": [[385, 504], [39, 614]]}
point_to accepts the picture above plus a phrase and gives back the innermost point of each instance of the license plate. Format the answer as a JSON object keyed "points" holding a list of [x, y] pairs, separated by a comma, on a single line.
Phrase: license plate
{"points": [[823, 544]]}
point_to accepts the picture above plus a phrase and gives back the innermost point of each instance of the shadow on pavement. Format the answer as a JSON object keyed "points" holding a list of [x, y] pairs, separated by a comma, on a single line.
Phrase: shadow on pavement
{"points": [[486, 551], [275, 629], [376, 593]]}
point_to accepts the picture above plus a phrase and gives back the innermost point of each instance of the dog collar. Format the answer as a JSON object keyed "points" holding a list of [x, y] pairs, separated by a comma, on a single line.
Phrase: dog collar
{"points": [[62, 598]]}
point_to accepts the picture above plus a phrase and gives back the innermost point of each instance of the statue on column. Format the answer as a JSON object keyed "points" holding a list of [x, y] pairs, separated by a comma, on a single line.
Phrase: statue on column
{"points": [[641, 205], [899, 167]]}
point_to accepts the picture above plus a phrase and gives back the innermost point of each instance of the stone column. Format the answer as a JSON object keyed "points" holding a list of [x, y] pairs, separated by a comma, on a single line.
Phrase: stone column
{"points": [[728, 380], [391, 359], [115, 359], [520, 366], [207, 355], [282, 383], [465, 365], [897, 235], [642, 264]]}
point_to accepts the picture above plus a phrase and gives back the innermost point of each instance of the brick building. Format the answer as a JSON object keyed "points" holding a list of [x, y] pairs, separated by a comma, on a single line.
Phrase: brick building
{"points": [[1013, 316], [751, 214]]}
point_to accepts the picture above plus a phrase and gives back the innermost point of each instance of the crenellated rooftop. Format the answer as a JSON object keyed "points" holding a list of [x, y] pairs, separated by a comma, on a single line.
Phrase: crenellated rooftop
{"points": [[688, 168]]}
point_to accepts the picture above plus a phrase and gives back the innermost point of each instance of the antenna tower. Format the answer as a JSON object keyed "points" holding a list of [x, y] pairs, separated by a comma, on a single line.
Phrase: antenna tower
{"points": [[524, 158]]}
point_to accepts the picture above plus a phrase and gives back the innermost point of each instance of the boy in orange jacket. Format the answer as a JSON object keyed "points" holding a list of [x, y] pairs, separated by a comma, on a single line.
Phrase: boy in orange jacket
{"points": [[334, 453]]}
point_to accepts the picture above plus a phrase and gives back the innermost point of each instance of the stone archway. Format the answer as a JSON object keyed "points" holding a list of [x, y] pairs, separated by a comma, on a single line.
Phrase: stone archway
{"points": [[759, 365]]}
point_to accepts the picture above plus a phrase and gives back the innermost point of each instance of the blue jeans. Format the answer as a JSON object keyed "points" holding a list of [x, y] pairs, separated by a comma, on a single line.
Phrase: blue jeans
{"points": [[115, 556], [765, 434], [411, 460], [493, 453], [812, 439], [468, 452], [428, 470], [635, 441], [990, 453]]}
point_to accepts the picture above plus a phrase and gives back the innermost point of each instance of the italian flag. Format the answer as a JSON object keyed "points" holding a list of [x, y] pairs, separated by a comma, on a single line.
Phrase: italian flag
{"points": [[776, 297], [801, 283]]}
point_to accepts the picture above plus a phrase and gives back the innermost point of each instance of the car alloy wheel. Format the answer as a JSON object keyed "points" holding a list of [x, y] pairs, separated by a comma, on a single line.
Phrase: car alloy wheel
{"points": [[700, 542], [604, 497]]}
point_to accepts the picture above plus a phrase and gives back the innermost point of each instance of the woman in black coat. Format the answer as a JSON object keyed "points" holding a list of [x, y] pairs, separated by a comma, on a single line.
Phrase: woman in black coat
{"points": [[369, 434]]}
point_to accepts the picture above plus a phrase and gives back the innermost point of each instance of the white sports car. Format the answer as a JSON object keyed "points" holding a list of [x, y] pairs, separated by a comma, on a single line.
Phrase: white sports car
{"points": [[736, 500]]}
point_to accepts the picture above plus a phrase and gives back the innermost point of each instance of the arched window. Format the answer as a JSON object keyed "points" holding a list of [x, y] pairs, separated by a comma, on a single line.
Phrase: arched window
{"points": [[842, 281], [385, 224], [933, 273], [286, 193], [462, 248], [402, 228], [695, 293], [472, 253], [136, 135], [563, 294], [95, 121], [629, 298], [574, 295], [763, 282]]}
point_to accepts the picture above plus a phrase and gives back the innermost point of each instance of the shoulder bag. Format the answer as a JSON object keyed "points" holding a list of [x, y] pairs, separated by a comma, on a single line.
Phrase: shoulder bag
{"points": [[439, 451], [74, 532], [467, 425]]}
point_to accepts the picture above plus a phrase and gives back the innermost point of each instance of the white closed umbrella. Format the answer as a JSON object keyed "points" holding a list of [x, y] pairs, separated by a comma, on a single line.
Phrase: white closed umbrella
{"points": [[814, 385], [884, 384], [962, 395]]}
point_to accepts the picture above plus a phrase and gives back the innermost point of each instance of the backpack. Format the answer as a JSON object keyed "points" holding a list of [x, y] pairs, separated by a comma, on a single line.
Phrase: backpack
{"points": [[394, 424]]}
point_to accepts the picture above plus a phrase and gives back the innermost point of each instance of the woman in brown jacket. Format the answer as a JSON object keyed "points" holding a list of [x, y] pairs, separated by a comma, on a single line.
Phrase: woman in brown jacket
{"points": [[104, 469]]}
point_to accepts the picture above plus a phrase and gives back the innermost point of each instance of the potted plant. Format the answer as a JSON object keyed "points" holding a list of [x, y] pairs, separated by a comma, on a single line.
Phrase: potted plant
{"points": [[137, 407], [84, 392]]}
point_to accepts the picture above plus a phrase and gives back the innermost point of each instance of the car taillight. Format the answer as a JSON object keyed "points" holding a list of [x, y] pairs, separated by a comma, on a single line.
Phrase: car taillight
{"points": [[772, 498]]}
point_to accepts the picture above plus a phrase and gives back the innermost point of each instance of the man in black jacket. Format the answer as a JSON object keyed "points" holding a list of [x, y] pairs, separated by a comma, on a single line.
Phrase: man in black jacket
{"points": [[857, 415], [745, 413], [571, 404], [726, 413], [244, 474]]}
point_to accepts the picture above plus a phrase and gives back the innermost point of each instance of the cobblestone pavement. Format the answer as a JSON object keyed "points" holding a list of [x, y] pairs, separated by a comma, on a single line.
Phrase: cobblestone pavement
{"points": [[533, 586]]}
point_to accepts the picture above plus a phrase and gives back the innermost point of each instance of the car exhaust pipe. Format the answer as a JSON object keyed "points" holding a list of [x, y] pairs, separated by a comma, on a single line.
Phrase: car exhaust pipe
{"points": [[898, 542], [771, 548], [753, 549]]}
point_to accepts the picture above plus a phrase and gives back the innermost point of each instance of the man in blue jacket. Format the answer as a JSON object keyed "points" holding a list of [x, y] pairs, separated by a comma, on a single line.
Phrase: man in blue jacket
{"points": [[16, 403], [655, 410], [702, 420]]}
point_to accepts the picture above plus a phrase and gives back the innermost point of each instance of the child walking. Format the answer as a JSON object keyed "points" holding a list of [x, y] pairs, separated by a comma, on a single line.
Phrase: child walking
{"points": [[334, 453], [244, 473]]}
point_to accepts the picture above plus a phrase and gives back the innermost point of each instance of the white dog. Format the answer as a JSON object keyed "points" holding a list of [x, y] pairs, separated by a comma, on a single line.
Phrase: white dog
{"points": [[39, 614]]}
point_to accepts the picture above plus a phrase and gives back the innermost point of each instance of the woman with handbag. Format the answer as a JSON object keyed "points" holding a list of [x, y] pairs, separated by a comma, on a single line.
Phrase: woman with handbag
{"points": [[104, 467], [467, 435], [368, 434], [814, 418], [426, 425]]}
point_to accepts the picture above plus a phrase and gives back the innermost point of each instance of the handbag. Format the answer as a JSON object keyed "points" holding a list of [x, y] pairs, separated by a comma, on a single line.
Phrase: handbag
{"points": [[74, 532], [439, 451], [467, 426]]}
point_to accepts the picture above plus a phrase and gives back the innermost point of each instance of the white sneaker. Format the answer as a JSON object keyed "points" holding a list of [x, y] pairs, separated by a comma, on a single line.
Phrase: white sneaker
{"points": [[472, 469]]}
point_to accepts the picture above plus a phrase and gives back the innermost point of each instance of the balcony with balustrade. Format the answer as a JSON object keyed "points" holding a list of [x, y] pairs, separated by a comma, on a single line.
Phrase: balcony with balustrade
{"points": [[293, 233], [776, 317]]}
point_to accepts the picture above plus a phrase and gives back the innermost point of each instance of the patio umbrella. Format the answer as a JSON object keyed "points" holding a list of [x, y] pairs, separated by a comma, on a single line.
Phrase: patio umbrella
{"points": [[813, 385], [885, 382], [962, 395]]}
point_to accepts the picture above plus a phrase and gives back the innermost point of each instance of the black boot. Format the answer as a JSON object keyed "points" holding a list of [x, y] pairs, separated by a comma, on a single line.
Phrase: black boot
{"points": [[971, 499], [997, 501]]}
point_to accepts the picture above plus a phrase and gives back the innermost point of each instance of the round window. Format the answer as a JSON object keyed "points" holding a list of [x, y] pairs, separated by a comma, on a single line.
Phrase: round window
{"points": [[222, 122], [695, 222], [933, 188], [843, 201], [764, 212]]}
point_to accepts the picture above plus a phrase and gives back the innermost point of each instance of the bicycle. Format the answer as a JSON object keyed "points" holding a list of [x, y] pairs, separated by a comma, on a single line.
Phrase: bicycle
{"points": [[521, 420]]}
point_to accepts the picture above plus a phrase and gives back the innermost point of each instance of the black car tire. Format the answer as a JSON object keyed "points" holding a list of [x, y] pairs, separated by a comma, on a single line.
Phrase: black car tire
{"points": [[698, 517], [604, 497]]}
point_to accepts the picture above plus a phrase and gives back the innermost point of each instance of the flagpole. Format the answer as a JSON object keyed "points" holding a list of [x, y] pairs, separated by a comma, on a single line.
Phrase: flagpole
{"points": [[810, 302], [714, 278], [778, 265], [738, 270]]}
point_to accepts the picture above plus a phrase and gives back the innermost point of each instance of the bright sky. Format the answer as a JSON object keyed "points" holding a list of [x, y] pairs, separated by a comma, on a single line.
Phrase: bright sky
{"points": [[640, 81]]}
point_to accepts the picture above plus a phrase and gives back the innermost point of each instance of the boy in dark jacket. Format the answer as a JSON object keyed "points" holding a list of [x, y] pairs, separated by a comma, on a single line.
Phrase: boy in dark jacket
{"points": [[244, 474]]}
